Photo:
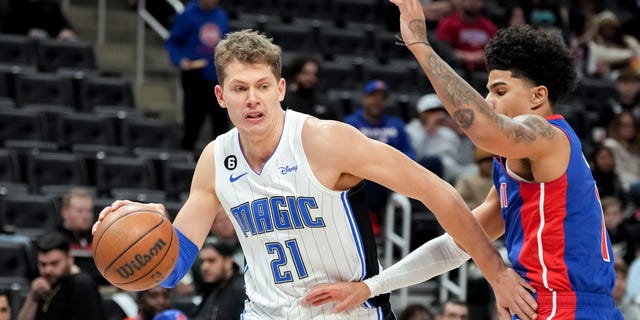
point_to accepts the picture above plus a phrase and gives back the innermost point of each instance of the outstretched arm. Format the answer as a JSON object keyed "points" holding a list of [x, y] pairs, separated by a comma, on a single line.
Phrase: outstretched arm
{"points": [[518, 138]]}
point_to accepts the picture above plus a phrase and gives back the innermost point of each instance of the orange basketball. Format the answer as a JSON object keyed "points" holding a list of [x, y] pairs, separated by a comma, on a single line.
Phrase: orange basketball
{"points": [[135, 247]]}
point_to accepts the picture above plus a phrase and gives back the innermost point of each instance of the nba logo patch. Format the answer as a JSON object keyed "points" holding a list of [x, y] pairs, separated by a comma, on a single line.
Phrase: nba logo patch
{"points": [[504, 202]]}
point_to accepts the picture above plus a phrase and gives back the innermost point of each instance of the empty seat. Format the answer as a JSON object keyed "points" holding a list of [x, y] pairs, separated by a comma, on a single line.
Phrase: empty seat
{"points": [[43, 88], [340, 74], [105, 91], [139, 195], [386, 49], [19, 124], [9, 166], [400, 76], [596, 93], [176, 178], [309, 9], [54, 54], [16, 49], [85, 128], [18, 256], [335, 41], [359, 11], [124, 172], [289, 37], [8, 74], [149, 133], [31, 215], [56, 169]]}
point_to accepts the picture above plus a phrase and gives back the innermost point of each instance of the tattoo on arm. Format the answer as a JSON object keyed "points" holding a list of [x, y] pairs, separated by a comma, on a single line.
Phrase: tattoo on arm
{"points": [[419, 29]]}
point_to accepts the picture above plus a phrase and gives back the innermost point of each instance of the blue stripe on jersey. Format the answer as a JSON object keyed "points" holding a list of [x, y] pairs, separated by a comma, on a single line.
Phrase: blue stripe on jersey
{"points": [[355, 232]]}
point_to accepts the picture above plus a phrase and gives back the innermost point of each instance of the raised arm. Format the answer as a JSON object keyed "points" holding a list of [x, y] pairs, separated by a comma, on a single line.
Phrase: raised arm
{"points": [[522, 137]]}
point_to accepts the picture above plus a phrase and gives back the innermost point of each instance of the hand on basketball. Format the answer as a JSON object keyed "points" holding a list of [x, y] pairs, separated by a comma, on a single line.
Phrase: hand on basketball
{"points": [[513, 296], [347, 294], [121, 203]]}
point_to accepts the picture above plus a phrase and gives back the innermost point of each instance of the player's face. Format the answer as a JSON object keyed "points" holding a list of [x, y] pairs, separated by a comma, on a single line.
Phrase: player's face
{"points": [[54, 265], [252, 95], [5, 309], [214, 266], [78, 215], [508, 95]]}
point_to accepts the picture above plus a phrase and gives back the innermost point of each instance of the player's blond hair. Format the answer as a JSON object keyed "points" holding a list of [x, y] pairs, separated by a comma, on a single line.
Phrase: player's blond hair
{"points": [[250, 47]]}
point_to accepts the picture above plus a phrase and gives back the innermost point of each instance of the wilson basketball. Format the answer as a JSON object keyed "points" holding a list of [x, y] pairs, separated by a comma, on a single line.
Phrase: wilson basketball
{"points": [[135, 247]]}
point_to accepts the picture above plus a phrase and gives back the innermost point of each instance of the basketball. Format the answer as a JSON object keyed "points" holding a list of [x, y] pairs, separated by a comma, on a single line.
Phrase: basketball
{"points": [[135, 247]]}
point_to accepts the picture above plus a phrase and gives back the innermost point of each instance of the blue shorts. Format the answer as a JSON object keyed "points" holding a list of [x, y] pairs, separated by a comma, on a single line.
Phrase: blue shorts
{"points": [[576, 305]]}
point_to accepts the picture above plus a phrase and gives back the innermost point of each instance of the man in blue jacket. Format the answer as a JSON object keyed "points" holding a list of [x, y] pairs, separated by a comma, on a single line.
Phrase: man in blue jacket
{"points": [[191, 45]]}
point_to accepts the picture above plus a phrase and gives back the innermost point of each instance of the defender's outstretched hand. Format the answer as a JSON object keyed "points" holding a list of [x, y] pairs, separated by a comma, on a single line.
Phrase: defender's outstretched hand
{"points": [[347, 294]]}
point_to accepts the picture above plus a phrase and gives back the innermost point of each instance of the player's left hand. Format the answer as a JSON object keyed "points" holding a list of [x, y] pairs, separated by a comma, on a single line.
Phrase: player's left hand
{"points": [[513, 296], [347, 294]]}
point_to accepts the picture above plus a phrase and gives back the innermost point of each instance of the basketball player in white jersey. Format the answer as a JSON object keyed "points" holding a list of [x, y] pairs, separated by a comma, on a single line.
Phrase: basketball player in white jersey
{"points": [[292, 184]]}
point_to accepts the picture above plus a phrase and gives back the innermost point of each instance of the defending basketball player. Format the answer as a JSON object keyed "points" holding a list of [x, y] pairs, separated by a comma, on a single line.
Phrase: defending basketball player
{"points": [[292, 185], [544, 199]]}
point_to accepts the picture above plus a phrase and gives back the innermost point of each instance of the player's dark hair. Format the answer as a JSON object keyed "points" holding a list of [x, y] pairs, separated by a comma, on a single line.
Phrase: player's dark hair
{"points": [[538, 56], [53, 241]]}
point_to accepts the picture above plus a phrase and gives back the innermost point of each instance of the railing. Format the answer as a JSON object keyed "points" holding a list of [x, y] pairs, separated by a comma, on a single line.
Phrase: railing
{"points": [[401, 240]]}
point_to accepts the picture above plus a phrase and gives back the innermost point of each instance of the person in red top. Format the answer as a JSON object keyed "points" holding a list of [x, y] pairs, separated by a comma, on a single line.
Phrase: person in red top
{"points": [[467, 31]]}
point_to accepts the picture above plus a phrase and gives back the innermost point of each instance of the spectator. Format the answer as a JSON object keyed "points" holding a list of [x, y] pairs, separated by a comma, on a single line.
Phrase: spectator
{"points": [[623, 240], [415, 312], [38, 19], [453, 309], [603, 169], [191, 46], [624, 140], [628, 309], [474, 187], [610, 49], [222, 229], [223, 295], [170, 314], [5, 305], [303, 76], [437, 145], [60, 292], [375, 123], [467, 31], [151, 303], [77, 218]]}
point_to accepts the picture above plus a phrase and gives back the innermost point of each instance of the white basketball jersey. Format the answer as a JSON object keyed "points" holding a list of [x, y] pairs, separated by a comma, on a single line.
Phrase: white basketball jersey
{"points": [[295, 232]]}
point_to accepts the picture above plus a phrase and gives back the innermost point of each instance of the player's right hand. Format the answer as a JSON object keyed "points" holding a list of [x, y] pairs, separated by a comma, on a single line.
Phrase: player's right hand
{"points": [[347, 294], [121, 203]]}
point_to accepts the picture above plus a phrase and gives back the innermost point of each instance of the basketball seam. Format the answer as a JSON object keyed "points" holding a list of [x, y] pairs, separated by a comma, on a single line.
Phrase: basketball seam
{"points": [[156, 265], [133, 242]]}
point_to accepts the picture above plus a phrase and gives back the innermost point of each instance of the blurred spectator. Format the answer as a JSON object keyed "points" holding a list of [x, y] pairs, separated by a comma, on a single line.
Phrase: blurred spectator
{"points": [[5, 305], [223, 294], [628, 309], [77, 215], [415, 312], [623, 240], [61, 291], [467, 31], [222, 229], [623, 139], [375, 123], [474, 187], [544, 14], [453, 309], [627, 87], [438, 146], [303, 94], [38, 19], [191, 45], [514, 16], [603, 169], [152, 302], [611, 49]]}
